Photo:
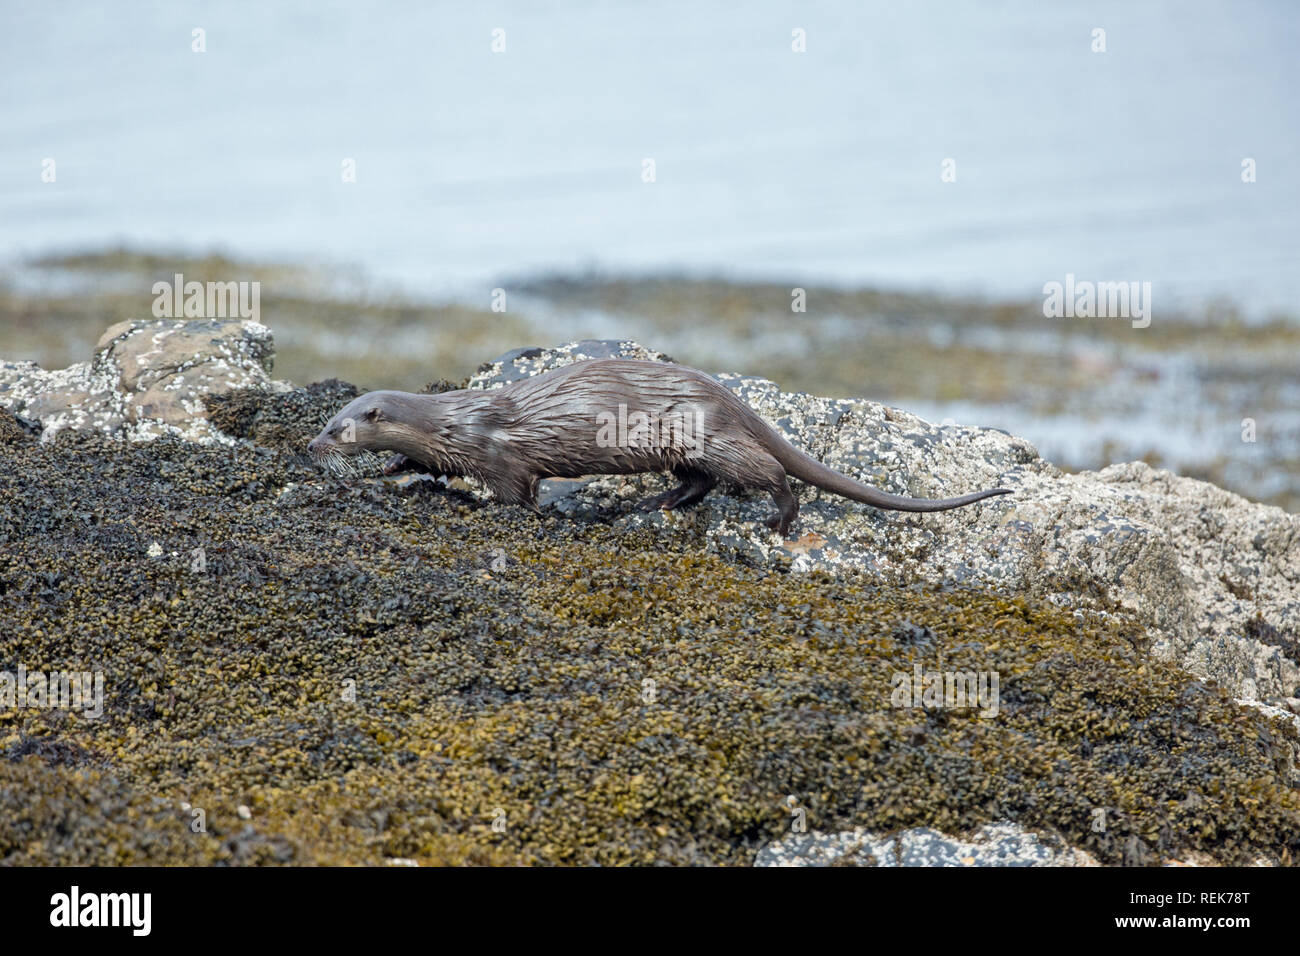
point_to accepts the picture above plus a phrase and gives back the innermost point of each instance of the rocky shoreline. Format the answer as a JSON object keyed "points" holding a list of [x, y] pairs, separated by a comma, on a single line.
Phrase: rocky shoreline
{"points": [[1143, 625]]}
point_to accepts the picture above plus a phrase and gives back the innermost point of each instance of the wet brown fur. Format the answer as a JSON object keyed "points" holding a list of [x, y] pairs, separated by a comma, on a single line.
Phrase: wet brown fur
{"points": [[549, 426]]}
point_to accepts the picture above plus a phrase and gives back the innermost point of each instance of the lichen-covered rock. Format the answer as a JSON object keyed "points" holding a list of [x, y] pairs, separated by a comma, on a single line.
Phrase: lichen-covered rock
{"points": [[147, 378]]}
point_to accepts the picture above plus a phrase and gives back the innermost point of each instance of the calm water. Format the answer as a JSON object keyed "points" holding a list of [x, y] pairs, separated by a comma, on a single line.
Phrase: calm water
{"points": [[809, 167]]}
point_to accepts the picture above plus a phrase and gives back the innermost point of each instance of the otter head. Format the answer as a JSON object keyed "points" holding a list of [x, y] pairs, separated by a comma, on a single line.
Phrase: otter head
{"points": [[358, 427]]}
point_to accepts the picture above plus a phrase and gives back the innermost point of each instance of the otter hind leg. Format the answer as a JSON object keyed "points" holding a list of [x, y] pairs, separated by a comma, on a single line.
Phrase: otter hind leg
{"points": [[769, 475], [694, 486], [746, 466], [787, 507], [751, 468]]}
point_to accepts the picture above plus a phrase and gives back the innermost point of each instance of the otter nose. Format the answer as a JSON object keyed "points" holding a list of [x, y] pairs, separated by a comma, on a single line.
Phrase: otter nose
{"points": [[313, 444]]}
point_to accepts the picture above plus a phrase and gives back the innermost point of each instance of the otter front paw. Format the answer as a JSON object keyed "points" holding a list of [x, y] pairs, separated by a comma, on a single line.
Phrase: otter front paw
{"points": [[400, 463], [655, 502]]}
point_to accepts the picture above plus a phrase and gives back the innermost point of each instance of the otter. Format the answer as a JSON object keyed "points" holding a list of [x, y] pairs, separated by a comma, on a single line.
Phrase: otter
{"points": [[598, 417]]}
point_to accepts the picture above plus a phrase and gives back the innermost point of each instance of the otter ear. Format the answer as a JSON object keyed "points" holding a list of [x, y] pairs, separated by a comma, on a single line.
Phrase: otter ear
{"points": [[373, 414]]}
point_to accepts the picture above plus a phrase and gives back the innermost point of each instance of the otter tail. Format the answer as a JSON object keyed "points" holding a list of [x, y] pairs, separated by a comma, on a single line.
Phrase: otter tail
{"points": [[811, 470]]}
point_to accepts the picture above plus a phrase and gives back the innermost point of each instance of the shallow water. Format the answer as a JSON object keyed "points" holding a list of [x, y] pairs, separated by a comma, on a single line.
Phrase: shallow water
{"points": [[821, 166]]}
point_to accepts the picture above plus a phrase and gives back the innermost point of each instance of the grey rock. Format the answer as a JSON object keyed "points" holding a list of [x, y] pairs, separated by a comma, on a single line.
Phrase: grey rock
{"points": [[146, 379], [1001, 844], [527, 362]]}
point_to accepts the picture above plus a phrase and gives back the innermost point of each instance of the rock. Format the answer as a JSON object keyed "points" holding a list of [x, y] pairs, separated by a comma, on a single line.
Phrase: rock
{"points": [[526, 362], [1213, 578], [147, 378], [15, 429], [150, 353], [83, 396], [627, 689], [1001, 844]]}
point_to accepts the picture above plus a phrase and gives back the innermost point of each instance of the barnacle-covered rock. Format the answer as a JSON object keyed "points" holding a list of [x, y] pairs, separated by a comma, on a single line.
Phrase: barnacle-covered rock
{"points": [[147, 378], [1003, 844]]}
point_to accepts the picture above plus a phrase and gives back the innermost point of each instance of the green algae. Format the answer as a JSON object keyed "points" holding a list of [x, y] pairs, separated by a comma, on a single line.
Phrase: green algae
{"points": [[376, 671]]}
